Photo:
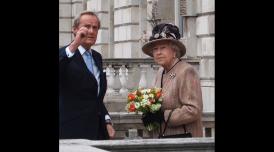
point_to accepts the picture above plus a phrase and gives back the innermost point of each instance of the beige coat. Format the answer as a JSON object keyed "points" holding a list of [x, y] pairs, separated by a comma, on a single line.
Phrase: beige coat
{"points": [[182, 92]]}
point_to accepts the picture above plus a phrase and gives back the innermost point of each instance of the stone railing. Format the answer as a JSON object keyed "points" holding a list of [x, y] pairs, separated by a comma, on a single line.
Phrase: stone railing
{"points": [[138, 145], [124, 75], [129, 125]]}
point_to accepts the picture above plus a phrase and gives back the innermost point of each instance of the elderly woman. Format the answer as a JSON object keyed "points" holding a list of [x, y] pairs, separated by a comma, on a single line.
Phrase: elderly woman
{"points": [[182, 98]]}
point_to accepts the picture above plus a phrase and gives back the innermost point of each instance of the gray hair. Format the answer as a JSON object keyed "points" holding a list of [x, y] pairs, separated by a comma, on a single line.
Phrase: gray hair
{"points": [[77, 18], [175, 48]]}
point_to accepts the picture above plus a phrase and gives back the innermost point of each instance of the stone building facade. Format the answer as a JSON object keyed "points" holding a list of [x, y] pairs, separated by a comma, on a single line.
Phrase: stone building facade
{"points": [[126, 25]]}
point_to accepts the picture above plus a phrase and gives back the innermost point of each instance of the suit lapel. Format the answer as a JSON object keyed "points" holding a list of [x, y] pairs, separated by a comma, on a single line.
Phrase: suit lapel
{"points": [[102, 75], [96, 60], [79, 60]]}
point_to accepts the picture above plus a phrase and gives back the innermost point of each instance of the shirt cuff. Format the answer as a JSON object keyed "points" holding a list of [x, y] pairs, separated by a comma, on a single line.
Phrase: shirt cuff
{"points": [[68, 52], [107, 117]]}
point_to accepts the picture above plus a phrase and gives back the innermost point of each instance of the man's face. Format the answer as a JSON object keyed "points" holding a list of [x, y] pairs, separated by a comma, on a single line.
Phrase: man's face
{"points": [[91, 23]]}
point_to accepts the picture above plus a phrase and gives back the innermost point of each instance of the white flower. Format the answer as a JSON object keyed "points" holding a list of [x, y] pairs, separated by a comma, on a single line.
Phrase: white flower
{"points": [[163, 35], [173, 35], [143, 91], [155, 107], [151, 95], [145, 96], [137, 105], [156, 35], [143, 102], [160, 99]]}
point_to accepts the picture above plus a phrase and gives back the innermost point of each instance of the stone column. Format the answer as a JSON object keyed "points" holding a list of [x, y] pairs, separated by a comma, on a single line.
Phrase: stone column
{"points": [[126, 29], [205, 31], [150, 5], [142, 26], [111, 29], [177, 12], [101, 8]]}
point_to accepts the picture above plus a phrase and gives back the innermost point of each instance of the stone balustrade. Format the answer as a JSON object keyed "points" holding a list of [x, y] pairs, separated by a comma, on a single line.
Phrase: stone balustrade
{"points": [[124, 75]]}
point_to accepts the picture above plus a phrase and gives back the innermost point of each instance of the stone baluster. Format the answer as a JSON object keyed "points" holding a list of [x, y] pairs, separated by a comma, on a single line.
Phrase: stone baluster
{"points": [[143, 78], [133, 77], [117, 83], [123, 79], [110, 73], [149, 76], [155, 69], [130, 78]]}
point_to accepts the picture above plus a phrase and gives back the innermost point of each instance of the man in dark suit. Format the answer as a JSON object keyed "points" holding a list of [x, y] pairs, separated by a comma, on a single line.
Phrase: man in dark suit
{"points": [[82, 85]]}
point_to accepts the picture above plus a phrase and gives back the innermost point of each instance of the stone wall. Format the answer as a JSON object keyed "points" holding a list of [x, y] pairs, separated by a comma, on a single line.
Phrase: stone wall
{"points": [[205, 32], [68, 9], [126, 29], [65, 22], [103, 8]]}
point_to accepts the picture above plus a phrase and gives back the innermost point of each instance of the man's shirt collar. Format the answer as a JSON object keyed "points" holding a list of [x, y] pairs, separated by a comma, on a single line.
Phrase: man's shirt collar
{"points": [[82, 50]]}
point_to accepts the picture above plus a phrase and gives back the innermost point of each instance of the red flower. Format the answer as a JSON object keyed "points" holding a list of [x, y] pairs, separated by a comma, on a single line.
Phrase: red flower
{"points": [[132, 107], [131, 97], [158, 95]]}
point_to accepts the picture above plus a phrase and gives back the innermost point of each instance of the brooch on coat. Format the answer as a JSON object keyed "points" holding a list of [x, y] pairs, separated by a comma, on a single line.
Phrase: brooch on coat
{"points": [[172, 75]]}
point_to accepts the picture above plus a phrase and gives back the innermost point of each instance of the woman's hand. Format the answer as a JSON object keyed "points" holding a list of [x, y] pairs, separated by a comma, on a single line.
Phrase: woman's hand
{"points": [[153, 117]]}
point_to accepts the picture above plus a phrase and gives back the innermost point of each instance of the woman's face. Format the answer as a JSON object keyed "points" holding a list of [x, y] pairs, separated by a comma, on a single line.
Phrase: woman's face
{"points": [[163, 54]]}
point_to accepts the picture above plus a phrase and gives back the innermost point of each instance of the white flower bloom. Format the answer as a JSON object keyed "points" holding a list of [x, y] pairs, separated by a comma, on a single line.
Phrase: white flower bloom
{"points": [[156, 35], [143, 91], [143, 102], [173, 35], [145, 96], [163, 35], [151, 95], [137, 105]]}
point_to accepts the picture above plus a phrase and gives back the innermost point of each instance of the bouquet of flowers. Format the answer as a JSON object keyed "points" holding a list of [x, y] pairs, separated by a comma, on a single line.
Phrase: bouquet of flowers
{"points": [[148, 101]]}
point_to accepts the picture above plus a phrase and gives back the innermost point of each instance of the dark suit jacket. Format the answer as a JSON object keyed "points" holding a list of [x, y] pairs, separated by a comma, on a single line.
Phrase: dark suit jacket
{"points": [[82, 111]]}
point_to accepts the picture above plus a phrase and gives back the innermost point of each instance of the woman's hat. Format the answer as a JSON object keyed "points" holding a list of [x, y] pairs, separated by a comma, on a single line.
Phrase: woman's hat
{"points": [[165, 32]]}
